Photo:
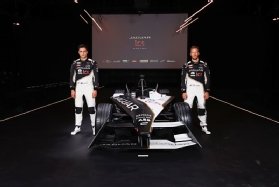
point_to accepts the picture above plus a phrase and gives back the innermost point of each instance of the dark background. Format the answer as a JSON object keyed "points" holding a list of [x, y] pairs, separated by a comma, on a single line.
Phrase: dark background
{"points": [[237, 38]]}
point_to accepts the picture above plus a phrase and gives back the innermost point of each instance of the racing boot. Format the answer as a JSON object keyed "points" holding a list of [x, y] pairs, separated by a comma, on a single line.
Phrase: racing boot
{"points": [[76, 130], [78, 120], [202, 117], [205, 130]]}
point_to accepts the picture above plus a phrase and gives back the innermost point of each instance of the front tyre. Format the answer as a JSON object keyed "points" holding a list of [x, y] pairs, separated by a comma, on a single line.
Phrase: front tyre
{"points": [[183, 112], [103, 115], [144, 141]]}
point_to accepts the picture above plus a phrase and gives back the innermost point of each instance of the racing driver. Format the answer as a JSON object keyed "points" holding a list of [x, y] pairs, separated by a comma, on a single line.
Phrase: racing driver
{"points": [[84, 82], [195, 82]]}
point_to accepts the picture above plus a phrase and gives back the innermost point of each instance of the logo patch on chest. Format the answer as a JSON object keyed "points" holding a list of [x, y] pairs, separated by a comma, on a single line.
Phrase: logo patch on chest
{"points": [[85, 72]]}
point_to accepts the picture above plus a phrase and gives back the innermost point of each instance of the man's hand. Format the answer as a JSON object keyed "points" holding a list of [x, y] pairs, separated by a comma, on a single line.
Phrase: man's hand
{"points": [[206, 95], [184, 96], [73, 94], [94, 93]]}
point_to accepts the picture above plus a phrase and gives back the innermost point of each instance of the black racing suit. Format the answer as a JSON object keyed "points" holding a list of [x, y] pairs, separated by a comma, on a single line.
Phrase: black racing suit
{"points": [[195, 80], [84, 79]]}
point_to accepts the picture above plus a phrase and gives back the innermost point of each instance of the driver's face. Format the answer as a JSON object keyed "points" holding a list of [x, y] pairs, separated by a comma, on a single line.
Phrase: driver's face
{"points": [[194, 53], [83, 53]]}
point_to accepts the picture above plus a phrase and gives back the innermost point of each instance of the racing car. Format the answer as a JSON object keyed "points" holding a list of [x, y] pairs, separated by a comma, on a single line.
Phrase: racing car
{"points": [[143, 118]]}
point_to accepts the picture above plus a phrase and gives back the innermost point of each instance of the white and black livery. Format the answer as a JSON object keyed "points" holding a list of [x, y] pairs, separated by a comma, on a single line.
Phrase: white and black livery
{"points": [[143, 118]]}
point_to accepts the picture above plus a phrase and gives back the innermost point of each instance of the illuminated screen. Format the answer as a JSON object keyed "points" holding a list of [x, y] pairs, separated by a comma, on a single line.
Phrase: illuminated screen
{"points": [[146, 41]]}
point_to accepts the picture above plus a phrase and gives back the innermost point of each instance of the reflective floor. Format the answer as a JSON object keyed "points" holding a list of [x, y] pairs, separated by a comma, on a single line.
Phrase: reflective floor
{"points": [[38, 150]]}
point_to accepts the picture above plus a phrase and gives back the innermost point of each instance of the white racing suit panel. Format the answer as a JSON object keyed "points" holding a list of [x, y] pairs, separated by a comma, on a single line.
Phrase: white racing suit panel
{"points": [[196, 89]]}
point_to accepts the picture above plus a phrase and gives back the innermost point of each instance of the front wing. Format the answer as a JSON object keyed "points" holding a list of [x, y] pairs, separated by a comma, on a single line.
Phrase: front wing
{"points": [[178, 140]]}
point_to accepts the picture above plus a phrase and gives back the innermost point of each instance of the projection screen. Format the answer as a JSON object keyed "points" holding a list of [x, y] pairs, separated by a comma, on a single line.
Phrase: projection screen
{"points": [[132, 41]]}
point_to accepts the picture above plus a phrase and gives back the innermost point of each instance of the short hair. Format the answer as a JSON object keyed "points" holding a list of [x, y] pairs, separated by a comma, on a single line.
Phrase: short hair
{"points": [[194, 47], [82, 46]]}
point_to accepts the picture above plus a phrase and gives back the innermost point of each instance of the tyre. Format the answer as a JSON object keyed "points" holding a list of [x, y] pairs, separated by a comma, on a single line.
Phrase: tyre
{"points": [[103, 114], [183, 112], [144, 141]]}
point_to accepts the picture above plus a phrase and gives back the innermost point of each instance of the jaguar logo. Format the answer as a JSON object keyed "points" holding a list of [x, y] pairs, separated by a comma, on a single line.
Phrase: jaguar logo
{"points": [[130, 105]]}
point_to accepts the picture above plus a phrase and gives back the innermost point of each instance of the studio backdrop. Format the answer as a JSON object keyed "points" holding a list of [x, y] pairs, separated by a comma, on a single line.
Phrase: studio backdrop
{"points": [[139, 41]]}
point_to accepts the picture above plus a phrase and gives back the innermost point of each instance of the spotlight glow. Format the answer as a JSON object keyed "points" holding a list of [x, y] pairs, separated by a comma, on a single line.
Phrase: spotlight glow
{"points": [[186, 25], [83, 19], [188, 20], [93, 20]]}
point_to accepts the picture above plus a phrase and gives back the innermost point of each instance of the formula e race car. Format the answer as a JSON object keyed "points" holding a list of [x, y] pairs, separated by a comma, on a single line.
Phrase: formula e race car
{"points": [[143, 118]]}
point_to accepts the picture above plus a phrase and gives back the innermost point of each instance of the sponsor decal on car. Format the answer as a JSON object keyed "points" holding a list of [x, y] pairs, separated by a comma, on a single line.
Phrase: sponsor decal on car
{"points": [[143, 119], [128, 104]]}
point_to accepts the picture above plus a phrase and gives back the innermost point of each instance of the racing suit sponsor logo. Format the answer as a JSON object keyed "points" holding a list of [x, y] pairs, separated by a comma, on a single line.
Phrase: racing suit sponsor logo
{"points": [[86, 72], [79, 71], [200, 69], [130, 105]]}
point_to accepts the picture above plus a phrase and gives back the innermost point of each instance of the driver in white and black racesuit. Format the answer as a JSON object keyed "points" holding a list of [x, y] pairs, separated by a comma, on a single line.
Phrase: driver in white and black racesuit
{"points": [[195, 82], [84, 82]]}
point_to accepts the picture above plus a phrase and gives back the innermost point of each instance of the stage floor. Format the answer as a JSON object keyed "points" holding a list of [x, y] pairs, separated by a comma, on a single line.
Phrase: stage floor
{"points": [[38, 150]]}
